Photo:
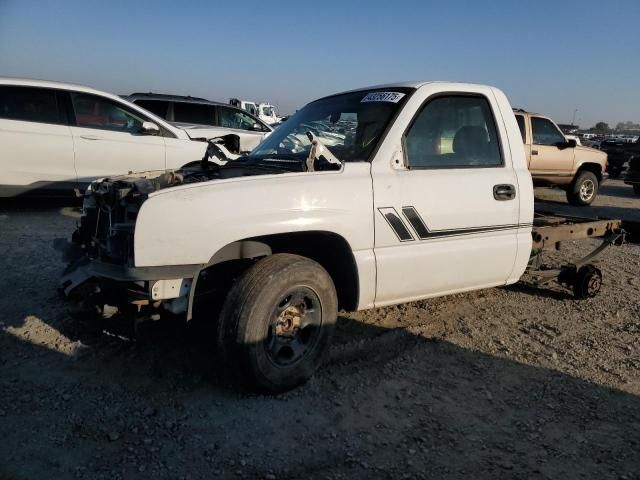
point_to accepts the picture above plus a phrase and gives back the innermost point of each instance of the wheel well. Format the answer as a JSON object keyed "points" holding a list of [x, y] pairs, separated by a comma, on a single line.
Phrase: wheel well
{"points": [[592, 167], [329, 249]]}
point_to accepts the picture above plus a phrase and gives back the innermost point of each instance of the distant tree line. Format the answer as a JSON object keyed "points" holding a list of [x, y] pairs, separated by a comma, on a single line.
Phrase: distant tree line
{"points": [[603, 127]]}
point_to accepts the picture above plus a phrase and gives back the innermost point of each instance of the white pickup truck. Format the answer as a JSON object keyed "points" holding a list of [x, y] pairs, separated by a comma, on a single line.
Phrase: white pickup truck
{"points": [[424, 191]]}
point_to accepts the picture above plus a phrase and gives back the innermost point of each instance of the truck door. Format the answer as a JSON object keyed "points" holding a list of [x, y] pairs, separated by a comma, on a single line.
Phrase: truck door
{"points": [[447, 219], [546, 157]]}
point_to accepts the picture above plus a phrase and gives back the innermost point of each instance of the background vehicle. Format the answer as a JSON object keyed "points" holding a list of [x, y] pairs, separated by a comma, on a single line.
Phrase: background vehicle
{"points": [[195, 113], [245, 105], [554, 160], [426, 193], [575, 138], [632, 176], [267, 113], [56, 137], [619, 152]]}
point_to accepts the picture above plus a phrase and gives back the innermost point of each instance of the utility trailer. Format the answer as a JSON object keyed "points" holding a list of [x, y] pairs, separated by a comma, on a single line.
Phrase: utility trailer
{"points": [[550, 230]]}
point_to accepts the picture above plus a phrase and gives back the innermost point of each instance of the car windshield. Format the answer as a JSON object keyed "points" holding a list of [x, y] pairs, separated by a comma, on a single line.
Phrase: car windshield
{"points": [[350, 125]]}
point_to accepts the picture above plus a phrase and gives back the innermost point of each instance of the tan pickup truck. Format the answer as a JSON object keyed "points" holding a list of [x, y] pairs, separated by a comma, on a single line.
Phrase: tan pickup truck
{"points": [[556, 161]]}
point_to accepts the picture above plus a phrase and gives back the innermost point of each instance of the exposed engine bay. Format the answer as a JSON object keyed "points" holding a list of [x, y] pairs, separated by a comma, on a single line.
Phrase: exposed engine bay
{"points": [[111, 204]]}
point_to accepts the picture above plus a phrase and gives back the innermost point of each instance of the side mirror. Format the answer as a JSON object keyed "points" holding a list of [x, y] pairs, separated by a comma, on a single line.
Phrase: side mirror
{"points": [[150, 128], [568, 144], [256, 127]]}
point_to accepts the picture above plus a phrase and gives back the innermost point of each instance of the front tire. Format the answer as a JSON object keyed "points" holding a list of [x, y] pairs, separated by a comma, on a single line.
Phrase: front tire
{"points": [[277, 322], [583, 190]]}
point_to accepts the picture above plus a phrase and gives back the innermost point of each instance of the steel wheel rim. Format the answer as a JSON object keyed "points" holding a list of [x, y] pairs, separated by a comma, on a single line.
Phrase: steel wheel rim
{"points": [[587, 189], [593, 285], [294, 326]]}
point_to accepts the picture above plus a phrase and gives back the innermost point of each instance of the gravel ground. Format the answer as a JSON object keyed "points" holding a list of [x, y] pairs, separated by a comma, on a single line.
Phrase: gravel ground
{"points": [[514, 382]]}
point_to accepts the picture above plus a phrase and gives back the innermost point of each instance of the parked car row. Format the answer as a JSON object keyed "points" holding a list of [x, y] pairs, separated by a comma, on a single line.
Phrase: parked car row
{"points": [[59, 137]]}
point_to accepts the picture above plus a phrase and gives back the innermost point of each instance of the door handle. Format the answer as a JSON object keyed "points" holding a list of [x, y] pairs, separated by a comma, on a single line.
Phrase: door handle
{"points": [[504, 192], [534, 152], [90, 137]]}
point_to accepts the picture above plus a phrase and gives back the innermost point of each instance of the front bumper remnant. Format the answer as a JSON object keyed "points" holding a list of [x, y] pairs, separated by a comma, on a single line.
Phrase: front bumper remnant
{"points": [[87, 269]]}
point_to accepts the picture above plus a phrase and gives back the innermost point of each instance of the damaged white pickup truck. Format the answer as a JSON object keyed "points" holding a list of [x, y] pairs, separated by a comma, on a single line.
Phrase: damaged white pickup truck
{"points": [[367, 198]]}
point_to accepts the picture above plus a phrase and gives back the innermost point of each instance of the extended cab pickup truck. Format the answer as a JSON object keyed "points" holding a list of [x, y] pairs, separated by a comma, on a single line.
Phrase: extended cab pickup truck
{"points": [[554, 160], [423, 192]]}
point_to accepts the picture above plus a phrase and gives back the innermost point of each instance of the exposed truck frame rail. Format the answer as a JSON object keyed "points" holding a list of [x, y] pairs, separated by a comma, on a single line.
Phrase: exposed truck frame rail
{"points": [[549, 230]]}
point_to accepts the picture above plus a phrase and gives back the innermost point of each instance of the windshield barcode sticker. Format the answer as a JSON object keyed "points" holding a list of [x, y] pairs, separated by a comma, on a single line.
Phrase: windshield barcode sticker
{"points": [[393, 97]]}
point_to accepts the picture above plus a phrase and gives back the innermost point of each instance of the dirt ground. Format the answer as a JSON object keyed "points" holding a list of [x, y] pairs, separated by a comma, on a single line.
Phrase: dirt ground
{"points": [[514, 382]]}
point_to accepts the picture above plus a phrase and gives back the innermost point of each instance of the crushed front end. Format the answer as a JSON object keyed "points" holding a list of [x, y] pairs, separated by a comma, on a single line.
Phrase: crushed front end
{"points": [[102, 269]]}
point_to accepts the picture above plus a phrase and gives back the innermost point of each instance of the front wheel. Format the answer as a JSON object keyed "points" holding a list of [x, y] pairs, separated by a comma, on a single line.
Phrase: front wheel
{"points": [[583, 190], [277, 322]]}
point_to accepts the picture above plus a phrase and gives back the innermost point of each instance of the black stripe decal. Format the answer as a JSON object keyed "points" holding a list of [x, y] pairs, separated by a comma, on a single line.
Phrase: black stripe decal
{"points": [[396, 224], [416, 222], [423, 232]]}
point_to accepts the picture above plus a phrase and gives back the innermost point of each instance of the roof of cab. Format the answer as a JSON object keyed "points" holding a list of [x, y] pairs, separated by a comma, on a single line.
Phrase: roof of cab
{"points": [[412, 84]]}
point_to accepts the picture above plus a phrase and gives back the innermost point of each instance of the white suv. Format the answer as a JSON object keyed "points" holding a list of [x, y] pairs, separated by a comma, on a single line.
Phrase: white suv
{"points": [[209, 119], [55, 137]]}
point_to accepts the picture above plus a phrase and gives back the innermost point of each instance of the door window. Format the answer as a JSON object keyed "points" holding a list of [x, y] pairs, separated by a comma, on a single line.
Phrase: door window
{"points": [[93, 111], [545, 132], [157, 107], [198, 113], [30, 104], [453, 132], [231, 118]]}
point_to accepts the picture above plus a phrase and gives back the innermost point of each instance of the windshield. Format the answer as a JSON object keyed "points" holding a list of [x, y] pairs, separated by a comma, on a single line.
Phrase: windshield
{"points": [[349, 125], [268, 111]]}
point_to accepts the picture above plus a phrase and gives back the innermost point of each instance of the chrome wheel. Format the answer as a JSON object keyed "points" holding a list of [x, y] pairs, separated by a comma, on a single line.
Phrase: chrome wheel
{"points": [[587, 189]]}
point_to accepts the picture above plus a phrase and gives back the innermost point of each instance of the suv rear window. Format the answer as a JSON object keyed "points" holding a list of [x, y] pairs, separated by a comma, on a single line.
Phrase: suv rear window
{"points": [[157, 107], [30, 104], [194, 113]]}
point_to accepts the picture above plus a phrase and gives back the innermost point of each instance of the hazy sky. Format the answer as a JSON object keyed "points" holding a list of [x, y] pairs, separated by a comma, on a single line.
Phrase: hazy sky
{"points": [[548, 56]]}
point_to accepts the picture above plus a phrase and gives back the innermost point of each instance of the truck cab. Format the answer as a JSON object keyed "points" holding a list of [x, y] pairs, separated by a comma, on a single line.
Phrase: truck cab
{"points": [[556, 161]]}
